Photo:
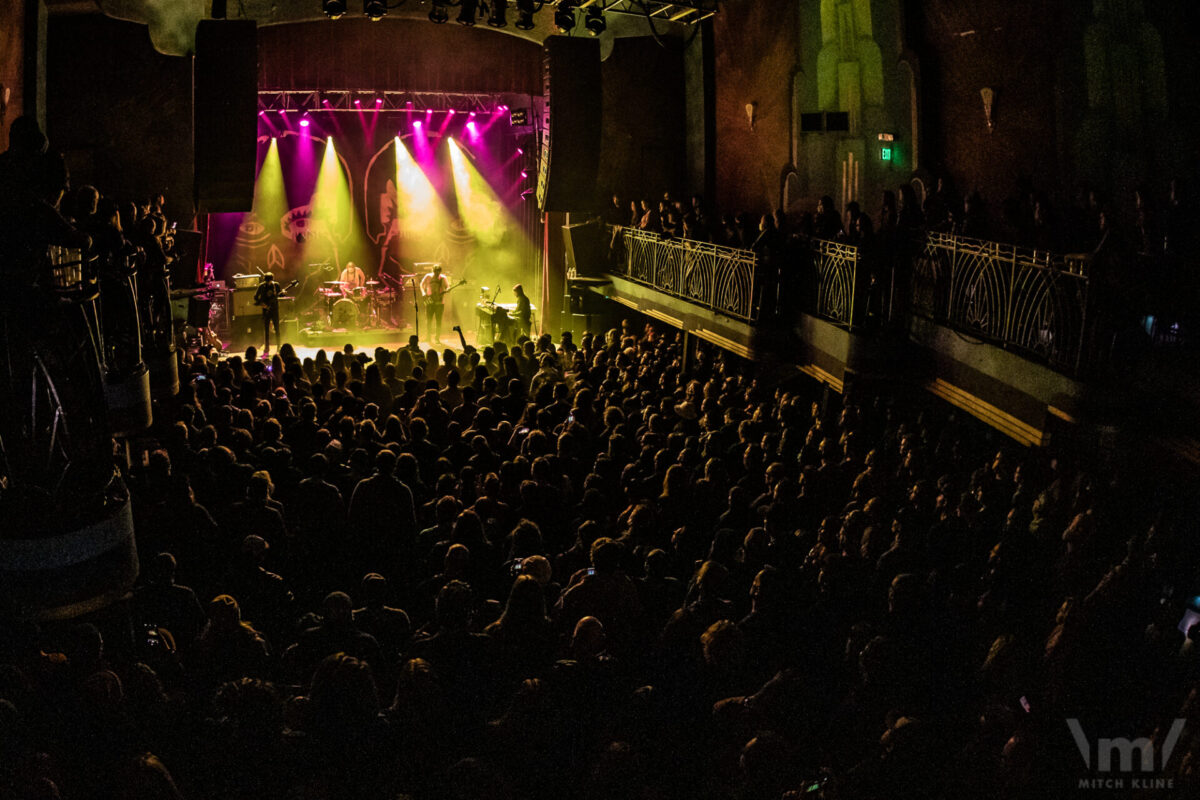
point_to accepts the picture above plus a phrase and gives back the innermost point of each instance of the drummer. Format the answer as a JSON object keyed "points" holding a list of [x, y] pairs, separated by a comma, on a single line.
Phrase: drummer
{"points": [[352, 280]]}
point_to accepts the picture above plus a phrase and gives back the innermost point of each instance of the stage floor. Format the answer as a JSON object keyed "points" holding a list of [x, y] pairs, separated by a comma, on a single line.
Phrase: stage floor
{"points": [[306, 344]]}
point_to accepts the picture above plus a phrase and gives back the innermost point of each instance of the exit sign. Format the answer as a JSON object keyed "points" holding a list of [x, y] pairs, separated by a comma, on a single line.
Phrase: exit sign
{"points": [[885, 153]]}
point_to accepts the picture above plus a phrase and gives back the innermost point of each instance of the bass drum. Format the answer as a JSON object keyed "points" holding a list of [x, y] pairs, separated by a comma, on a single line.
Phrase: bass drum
{"points": [[344, 315]]}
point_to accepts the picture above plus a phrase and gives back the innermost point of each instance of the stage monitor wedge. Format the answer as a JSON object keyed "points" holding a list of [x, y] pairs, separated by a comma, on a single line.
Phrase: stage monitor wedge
{"points": [[571, 140], [225, 114]]}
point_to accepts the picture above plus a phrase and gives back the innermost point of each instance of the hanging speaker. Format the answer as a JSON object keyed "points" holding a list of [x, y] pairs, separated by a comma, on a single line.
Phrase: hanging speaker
{"points": [[571, 144], [225, 113]]}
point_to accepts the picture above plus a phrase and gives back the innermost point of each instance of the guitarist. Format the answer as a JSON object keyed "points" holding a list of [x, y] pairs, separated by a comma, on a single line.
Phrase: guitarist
{"points": [[267, 297], [434, 286]]}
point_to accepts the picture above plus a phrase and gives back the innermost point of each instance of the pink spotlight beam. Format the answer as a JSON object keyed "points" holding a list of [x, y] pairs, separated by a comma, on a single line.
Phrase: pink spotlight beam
{"points": [[496, 116]]}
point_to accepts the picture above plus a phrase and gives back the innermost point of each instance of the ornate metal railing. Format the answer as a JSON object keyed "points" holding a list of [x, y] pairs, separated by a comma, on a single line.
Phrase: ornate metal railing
{"points": [[1024, 299], [723, 279], [836, 271]]}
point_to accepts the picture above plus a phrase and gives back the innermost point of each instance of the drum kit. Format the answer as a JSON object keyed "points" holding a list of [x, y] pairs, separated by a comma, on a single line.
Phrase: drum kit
{"points": [[353, 307]]}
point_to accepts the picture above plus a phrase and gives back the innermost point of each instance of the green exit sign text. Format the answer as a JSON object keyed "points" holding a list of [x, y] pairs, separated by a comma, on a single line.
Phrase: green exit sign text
{"points": [[885, 153]]}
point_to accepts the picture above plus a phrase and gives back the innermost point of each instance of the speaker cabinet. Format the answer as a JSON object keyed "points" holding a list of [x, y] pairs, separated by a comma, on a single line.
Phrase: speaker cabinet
{"points": [[186, 265], [243, 302], [571, 145], [224, 113], [587, 249]]}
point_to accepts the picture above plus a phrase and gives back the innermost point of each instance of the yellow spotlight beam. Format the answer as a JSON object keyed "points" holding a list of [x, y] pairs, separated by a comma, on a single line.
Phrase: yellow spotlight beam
{"points": [[501, 238], [417, 203], [270, 192], [332, 209], [481, 210]]}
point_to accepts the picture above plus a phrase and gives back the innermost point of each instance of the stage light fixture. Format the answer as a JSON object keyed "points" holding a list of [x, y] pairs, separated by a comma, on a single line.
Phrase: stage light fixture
{"points": [[499, 15], [334, 9], [595, 22], [438, 14], [564, 18], [375, 10], [468, 11]]}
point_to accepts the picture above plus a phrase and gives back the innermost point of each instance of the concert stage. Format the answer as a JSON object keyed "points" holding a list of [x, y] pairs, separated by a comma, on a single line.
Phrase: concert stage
{"points": [[337, 337]]}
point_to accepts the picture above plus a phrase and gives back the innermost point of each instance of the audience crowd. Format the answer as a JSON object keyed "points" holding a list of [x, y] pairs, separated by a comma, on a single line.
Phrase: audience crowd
{"points": [[602, 570]]}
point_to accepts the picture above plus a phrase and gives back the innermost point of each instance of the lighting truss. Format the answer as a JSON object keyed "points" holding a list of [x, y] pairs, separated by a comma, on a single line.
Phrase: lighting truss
{"points": [[344, 100], [685, 12]]}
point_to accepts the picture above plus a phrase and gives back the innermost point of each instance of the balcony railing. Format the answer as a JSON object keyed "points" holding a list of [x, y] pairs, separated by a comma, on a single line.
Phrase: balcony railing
{"points": [[836, 273], [1025, 300], [723, 279]]}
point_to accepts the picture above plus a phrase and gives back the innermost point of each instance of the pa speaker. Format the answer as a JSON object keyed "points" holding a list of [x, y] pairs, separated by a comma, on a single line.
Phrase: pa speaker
{"points": [[586, 249], [224, 113], [186, 266], [570, 149]]}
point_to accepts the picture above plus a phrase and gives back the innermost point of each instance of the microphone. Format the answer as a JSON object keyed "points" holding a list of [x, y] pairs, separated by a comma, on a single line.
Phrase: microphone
{"points": [[497, 294]]}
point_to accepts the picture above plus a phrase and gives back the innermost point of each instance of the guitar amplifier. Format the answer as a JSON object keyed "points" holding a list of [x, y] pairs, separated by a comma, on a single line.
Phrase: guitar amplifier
{"points": [[243, 302]]}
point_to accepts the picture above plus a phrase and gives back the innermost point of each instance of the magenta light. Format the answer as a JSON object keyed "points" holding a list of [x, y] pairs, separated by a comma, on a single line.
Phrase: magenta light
{"points": [[416, 123], [282, 111], [451, 112], [471, 115], [261, 113], [520, 152], [303, 123], [524, 174], [357, 102], [378, 101]]}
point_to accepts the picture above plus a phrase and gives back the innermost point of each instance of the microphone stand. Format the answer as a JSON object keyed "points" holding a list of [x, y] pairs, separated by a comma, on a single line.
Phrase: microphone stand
{"points": [[416, 307]]}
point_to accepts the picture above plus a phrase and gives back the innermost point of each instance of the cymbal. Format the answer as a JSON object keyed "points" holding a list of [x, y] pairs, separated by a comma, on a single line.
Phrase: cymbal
{"points": [[372, 283], [339, 283]]}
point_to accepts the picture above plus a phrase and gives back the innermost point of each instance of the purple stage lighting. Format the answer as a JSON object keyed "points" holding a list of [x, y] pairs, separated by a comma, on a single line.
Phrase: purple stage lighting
{"points": [[378, 101], [520, 152], [451, 112], [357, 102], [524, 174], [282, 111], [417, 124], [304, 123]]}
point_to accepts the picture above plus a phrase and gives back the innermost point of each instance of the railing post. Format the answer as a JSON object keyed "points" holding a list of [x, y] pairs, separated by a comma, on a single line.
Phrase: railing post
{"points": [[853, 286], [1006, 337]]}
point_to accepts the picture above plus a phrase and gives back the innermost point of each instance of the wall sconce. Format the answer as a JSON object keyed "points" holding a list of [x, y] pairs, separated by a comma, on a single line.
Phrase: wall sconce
{"points": [[988, 96], [751, 114]]}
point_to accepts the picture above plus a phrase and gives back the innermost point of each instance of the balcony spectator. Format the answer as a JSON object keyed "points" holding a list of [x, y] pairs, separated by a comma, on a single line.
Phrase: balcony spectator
{"points": [[827, 224], [651, 220]]}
